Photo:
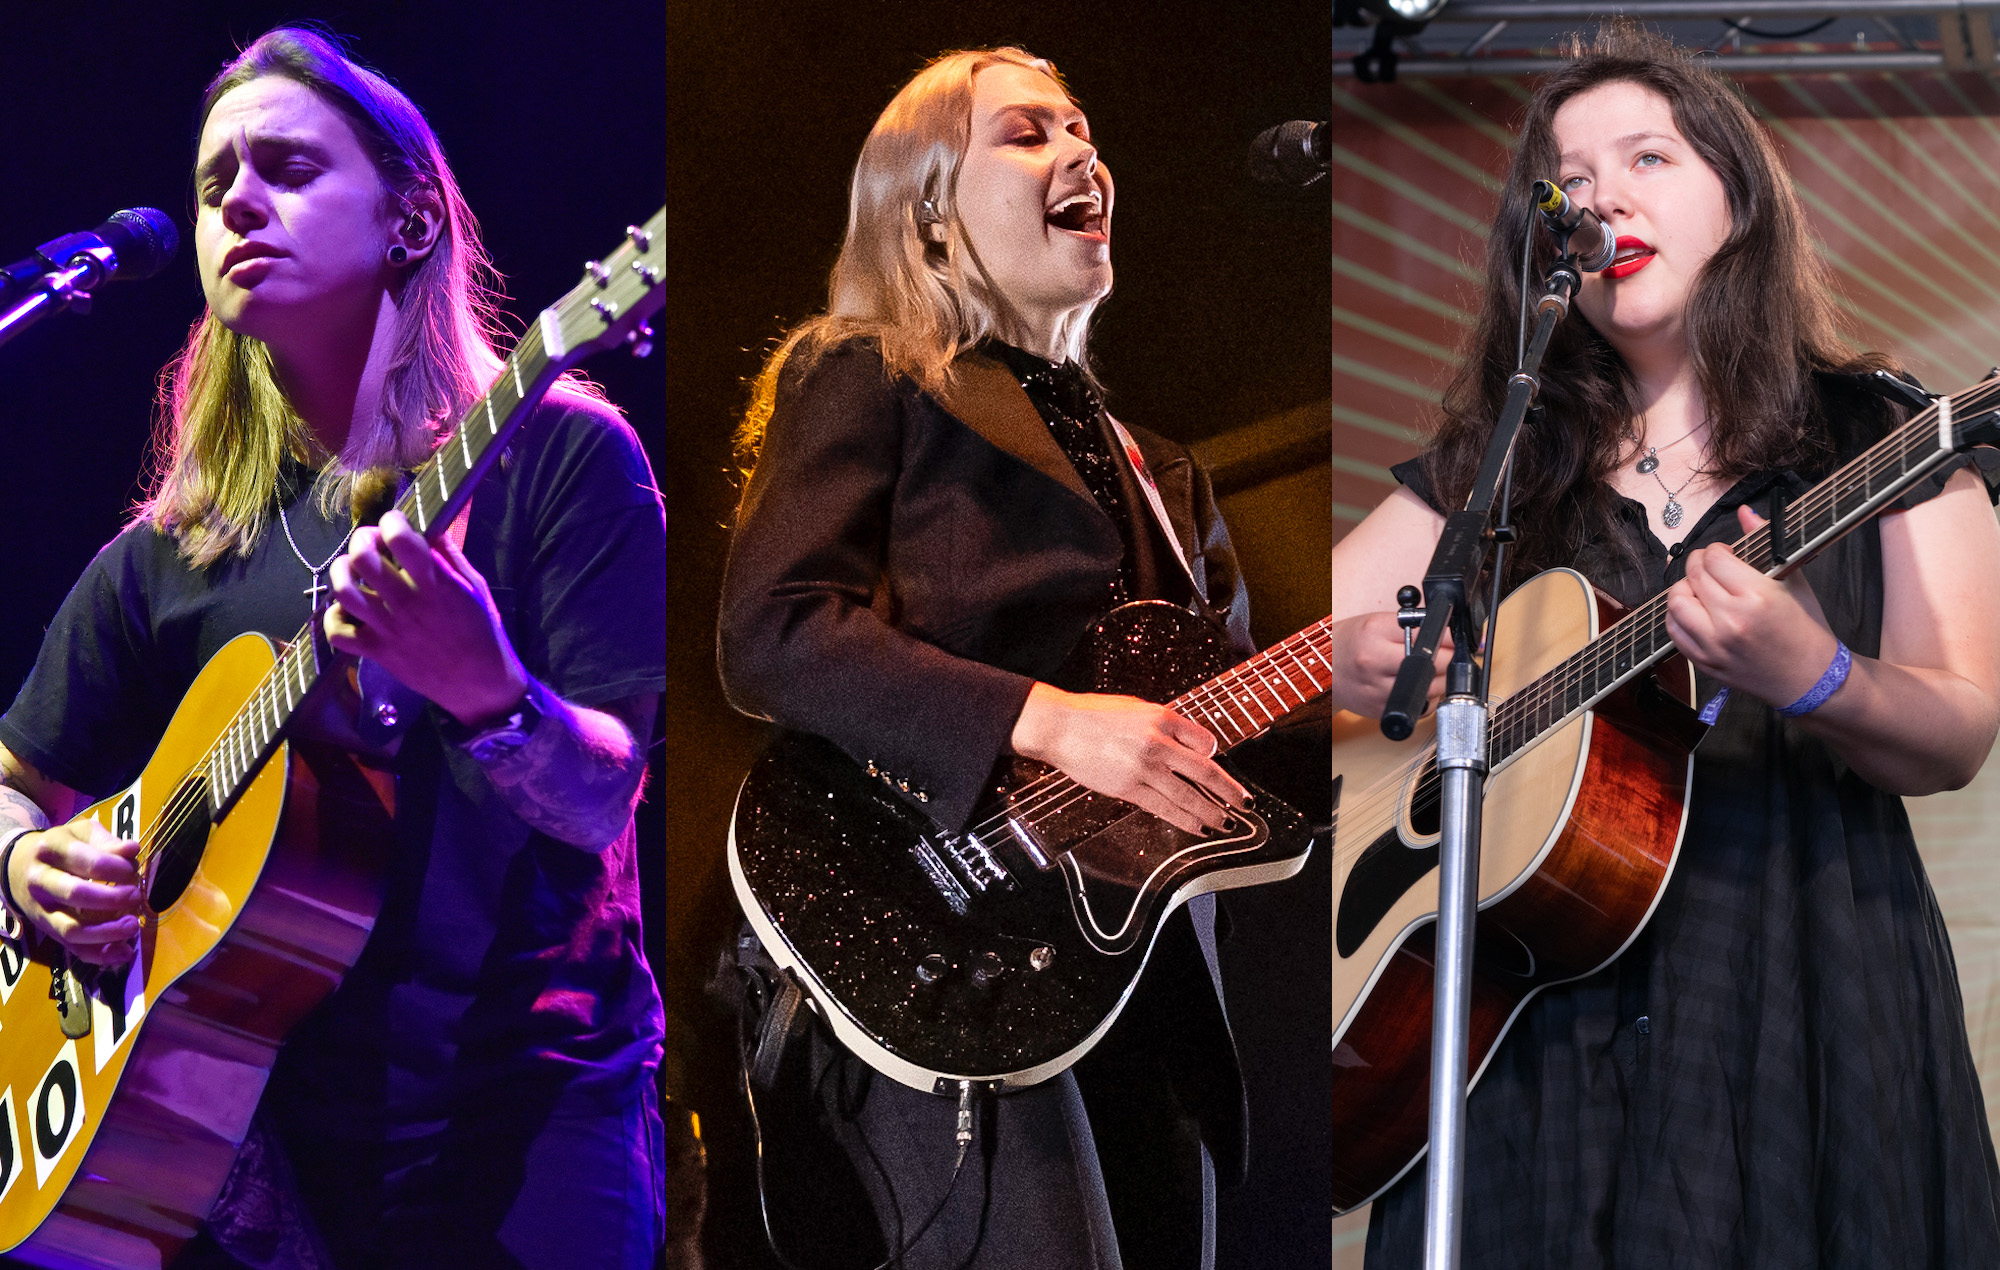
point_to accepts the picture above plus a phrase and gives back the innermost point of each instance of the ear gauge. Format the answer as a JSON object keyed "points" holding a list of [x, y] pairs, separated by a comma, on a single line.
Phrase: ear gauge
{"points": [[398, 254], [930, 223]]}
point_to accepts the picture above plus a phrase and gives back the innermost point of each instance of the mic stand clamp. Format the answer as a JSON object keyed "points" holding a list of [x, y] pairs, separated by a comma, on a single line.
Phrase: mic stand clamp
{"points": [[77, 263], [1459, 559]]}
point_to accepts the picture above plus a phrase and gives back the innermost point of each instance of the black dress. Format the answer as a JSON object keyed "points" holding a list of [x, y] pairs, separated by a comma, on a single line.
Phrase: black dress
{"points": [[1776, 1073]]}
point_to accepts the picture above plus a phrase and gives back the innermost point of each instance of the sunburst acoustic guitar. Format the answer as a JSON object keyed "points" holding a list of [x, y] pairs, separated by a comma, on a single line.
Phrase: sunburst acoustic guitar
{"points": [[1590, 753]]}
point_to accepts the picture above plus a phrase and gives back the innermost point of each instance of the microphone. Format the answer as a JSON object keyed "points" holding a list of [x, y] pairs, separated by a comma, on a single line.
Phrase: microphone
{"points": [[131, 245], [1295, 153], [1583, 235]]}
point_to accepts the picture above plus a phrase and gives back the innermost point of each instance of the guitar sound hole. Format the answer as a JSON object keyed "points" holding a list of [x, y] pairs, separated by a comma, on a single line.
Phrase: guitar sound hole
{"points": [[1425, 819], [183, 835]]}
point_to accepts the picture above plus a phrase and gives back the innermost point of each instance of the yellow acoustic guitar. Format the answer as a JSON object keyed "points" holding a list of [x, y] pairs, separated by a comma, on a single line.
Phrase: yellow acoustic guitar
{"points": [[125, 1094]]}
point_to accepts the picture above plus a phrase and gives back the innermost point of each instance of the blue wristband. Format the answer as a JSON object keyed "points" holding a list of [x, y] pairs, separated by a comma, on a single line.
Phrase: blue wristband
{"points": [[1829, 683]]}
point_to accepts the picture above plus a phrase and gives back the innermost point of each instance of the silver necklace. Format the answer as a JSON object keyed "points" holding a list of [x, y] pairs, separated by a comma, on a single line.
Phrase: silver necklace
{"points": [[1671, 514], [1649, 462], [1649, 465], [316, 569]]}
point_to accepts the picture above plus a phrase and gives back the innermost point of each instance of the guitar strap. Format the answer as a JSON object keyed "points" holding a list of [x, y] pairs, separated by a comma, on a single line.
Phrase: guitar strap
{"points": [[986, 397], [1152, 491]]}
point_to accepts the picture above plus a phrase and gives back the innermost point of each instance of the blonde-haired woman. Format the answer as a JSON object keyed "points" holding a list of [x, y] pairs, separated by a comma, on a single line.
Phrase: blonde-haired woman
{"points": [[937, 509], [479, 1091]]}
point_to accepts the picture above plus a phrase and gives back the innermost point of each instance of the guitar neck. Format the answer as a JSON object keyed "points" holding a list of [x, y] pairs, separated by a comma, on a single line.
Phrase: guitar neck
{"points": [[441, 487], [1248, 698], [1820, 517], [610, 305], [435, 495]]}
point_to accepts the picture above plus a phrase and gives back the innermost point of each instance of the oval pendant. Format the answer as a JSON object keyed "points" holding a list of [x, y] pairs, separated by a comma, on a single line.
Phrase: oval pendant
{"points": [[1650, 464], [1670, 515]]}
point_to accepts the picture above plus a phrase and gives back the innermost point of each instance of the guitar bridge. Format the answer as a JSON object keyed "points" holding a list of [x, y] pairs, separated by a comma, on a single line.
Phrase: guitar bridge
{"points": [[976, 862]]}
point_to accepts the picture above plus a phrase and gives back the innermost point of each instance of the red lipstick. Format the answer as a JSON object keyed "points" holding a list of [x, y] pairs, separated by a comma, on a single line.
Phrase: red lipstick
{"points": [[1634, 254]]}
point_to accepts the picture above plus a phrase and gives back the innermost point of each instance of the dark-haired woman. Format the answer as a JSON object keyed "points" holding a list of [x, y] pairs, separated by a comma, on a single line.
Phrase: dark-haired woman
{"points": [[1776, 1073], [479, 1091]]}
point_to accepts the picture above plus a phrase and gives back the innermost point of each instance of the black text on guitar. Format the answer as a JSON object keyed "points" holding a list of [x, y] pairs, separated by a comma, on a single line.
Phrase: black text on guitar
{"points": [[124, 1095]]}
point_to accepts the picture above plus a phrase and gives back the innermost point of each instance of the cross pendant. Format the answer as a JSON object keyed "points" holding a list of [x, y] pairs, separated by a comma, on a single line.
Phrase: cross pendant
{"points": [[314, 590]]}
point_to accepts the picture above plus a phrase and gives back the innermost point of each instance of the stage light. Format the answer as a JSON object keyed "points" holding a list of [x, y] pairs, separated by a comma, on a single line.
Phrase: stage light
{"points": [[1419, 11]]}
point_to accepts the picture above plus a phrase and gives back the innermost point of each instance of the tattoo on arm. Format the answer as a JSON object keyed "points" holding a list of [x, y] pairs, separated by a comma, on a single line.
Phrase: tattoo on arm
{"points": [[578, 777], [18, 811]]}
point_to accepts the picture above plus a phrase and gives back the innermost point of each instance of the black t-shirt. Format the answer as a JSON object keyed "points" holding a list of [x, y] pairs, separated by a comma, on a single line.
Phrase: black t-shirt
{"points": [[502, 957]]}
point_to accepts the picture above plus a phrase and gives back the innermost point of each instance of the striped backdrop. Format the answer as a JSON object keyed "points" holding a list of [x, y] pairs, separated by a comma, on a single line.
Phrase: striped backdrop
{"points": [[1900, 177]]}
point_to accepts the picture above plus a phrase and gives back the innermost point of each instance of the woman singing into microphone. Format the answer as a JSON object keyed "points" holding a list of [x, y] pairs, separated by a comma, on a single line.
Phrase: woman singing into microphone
{"points": [[904, 581], [1775, 1073]]}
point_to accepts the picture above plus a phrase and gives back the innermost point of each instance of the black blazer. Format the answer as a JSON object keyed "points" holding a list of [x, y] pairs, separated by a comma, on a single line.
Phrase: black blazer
{"points": [[902, 571], [900, 574]]}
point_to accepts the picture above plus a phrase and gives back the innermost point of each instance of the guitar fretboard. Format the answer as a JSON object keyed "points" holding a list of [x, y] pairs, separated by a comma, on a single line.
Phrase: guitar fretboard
{"points": [[1249, 697], [1821, 515], [435, 495]]}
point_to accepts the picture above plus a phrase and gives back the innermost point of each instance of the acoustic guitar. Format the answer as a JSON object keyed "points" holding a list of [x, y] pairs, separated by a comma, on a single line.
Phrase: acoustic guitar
{"points": [[124, 1094], [1590, 751], [1003, 953]]}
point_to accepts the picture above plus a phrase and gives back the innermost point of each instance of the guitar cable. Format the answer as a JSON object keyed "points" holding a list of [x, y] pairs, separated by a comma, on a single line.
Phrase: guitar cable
{"points": [[754, 987]]}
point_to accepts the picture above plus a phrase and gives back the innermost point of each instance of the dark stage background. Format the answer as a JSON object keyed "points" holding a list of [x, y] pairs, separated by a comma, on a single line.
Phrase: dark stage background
{"points": [[551, 115], [1218, 326]]}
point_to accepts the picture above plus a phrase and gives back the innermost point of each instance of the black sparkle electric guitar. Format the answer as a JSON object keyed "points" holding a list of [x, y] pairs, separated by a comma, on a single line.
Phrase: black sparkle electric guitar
{"points": [[1003, 953]]}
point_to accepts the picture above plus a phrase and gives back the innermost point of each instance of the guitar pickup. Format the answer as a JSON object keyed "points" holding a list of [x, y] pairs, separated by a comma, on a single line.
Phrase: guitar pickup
{"points": [[1030, 845]]}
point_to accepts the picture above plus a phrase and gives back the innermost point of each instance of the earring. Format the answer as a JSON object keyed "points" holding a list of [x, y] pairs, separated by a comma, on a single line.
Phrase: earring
{"points": [[398, 255], [930, 223]]}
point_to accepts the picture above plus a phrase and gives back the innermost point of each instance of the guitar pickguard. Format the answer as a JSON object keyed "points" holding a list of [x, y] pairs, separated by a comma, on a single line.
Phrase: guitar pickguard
{"points": [[1119, 876]]}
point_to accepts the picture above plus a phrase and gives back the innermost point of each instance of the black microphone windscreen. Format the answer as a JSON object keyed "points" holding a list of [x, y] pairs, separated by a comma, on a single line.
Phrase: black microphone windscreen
{"points": [[1294, 153], [145, 240]]}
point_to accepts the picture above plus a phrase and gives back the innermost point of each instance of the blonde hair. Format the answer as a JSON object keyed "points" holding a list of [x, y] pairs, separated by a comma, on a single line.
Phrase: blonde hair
{"points": [[924, 303], [225, 426]]}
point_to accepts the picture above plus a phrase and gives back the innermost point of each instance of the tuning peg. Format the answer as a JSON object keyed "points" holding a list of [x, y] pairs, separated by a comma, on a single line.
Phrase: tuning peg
{"points": [[640, 238], [640, 339], [596, 269], [647, 273]]}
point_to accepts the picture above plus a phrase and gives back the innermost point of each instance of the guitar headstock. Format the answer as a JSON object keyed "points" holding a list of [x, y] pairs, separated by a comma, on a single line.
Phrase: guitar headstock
{"points": [[612, 302]]}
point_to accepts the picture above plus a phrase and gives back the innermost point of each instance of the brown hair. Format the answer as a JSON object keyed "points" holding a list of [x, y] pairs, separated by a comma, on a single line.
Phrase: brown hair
{"points": [[924, 303], [1760, 319]]}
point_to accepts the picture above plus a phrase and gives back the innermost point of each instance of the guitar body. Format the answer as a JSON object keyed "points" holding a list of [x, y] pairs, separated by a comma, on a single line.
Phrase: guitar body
{"points": [[114, 1145], [1580, 833], [944, 957]]}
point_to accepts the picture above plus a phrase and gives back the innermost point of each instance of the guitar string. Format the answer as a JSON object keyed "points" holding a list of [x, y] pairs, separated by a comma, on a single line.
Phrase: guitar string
{"points": [[1892, 457], [182, 805], [1894, 453], [1055, 786]]}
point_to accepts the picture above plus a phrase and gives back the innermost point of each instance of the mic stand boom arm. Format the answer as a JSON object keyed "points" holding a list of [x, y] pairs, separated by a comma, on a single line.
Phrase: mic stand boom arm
{"points": [[1461, 763], [86, 262]]}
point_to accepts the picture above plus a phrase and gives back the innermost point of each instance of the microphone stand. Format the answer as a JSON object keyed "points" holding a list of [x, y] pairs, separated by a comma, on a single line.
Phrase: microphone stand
{"points": [[1461, 764], [62, 286]]}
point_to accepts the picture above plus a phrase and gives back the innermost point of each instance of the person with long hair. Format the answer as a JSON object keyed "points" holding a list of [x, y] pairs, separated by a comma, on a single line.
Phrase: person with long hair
{"points": [[1776, 1072], [480, 1089], [905, 577]]}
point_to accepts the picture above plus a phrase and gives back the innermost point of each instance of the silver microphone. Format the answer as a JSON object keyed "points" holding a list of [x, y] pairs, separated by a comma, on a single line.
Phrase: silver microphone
{"points": [[1585, 237]]}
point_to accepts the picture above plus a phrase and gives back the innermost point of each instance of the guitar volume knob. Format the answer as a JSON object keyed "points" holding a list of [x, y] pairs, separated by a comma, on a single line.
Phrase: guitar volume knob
{"points": [[987, 970], [932, 968]]}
